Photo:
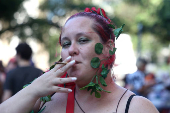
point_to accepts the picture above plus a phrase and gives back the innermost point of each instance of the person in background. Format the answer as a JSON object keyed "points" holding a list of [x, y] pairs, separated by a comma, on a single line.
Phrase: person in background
{"points": [[2, 79], [136, 81], [11, 64], [21, 75]]}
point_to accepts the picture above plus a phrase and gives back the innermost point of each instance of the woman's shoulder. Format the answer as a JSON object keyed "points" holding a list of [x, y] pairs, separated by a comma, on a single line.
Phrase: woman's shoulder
{"points": [[143, 104]]}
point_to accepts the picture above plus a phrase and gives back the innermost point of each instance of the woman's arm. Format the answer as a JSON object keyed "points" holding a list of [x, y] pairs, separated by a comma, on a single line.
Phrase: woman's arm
{"points": [[46, 84], [21, 102]]}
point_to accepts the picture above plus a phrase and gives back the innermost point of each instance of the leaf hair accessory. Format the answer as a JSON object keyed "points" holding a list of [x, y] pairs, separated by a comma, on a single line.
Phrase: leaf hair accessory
{"points": [[94, 85]]}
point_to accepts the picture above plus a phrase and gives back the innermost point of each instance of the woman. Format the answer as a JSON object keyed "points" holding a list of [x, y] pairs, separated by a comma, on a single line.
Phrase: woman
{"points": [[79, 37]]}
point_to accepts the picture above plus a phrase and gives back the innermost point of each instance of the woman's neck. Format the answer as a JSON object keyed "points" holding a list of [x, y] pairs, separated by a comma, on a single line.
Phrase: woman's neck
{"points": [[84, 94]]}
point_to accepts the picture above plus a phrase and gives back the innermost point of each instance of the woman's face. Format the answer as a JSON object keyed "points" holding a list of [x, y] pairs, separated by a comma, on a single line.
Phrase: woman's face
{"points": [[78, 40]]}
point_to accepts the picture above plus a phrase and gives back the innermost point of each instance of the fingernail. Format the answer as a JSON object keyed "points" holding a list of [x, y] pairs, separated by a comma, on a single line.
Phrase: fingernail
{"points": [[74, 78], [68, 57], [69, 90], [72, 62]]}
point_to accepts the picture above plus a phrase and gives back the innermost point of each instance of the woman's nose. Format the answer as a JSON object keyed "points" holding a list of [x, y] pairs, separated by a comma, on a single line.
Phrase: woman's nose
{"points": [[73, 49]]}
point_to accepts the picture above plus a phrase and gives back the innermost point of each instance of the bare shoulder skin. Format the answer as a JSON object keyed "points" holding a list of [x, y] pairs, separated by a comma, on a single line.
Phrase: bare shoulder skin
{"points": [[141, 104]]}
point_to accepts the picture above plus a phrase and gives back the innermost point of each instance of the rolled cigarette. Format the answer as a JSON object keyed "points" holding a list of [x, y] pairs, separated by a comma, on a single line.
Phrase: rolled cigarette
{"points": [[60, 63]]}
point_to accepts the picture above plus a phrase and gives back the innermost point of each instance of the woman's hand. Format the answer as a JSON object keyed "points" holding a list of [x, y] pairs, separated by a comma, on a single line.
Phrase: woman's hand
{"points": [[47, 83]]}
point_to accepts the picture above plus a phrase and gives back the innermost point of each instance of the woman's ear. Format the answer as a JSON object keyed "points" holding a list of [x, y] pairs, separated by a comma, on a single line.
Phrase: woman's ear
{"points": [[109, 45]]}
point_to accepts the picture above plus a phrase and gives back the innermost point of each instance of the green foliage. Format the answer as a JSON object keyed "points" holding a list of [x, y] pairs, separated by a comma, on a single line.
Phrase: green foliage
{"points": [[97, 94], [8, 8], [25, 85], [112, 52], [46, 98], [95, 62], [111, 26], [101, 13], [104, 72], [95, 88], [52, 66], [118, 31], [98, 48], [154, 15], [90, 84], [102, 81]]}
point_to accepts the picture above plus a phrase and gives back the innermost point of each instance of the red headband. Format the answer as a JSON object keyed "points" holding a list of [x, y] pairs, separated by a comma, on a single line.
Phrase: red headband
{"points": [[99, 11]]}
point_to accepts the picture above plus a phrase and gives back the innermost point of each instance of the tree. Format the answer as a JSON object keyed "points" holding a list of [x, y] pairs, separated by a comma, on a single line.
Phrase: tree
{"points": [[45, 28]]}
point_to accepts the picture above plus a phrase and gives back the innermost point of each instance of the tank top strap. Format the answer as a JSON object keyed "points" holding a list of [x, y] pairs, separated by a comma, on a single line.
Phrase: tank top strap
{"points": [[128, 103], [120, 100]]}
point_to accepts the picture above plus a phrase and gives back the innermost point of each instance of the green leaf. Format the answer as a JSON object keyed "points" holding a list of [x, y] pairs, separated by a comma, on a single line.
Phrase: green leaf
{"points": [[107, 91], [111, 26], [90, 87], [112, 52], [103, 66], [93, 90], [123, 26], [52, 66], [104, 73], [32, 111], [118, 31], [98, 88], [97, 79], [46, 98], [25, 85], [95, 62], [102, 81], [28, 84], [101, 12], [90, 84], [97, 94], [98, 48], [94, 12]]}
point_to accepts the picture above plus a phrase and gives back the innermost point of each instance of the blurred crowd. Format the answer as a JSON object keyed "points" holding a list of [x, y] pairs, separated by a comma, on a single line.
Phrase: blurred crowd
{"points": [[19, 71], [152, 83], [3, 71]]}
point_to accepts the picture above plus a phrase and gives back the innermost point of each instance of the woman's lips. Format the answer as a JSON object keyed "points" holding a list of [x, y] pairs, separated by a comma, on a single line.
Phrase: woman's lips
{"points": [[77, 62]]}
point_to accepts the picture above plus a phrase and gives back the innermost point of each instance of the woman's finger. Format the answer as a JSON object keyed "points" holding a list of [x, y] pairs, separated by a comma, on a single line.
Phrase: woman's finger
{"points": [[57, 66], [64, 80], [62, 70], [61, 89]]}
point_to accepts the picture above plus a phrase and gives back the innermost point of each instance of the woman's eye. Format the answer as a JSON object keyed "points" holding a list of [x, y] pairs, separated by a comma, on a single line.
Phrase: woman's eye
{"points": [[83, 40], [66, 44]]}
